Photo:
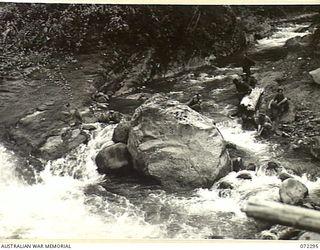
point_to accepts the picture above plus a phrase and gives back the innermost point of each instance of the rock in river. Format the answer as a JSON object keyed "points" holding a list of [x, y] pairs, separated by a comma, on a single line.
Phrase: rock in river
{"points": [[56, 146], [284, 175], [176, 145], [292, 191], [245, 175], [315, 75], [121, 132], [225, 185], [309, 236], [114, 159]]}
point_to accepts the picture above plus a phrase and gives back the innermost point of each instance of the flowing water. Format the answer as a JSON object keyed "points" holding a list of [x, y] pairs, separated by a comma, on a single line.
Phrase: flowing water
{"points": [[70, 200], [281, 35]]}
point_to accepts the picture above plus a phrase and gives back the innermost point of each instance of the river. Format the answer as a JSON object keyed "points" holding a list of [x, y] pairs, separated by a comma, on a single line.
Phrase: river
{"points": [[70, 200]]}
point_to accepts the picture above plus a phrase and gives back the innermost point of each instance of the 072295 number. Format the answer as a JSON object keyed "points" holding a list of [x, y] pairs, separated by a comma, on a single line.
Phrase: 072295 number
{"points": [[309, 245]]}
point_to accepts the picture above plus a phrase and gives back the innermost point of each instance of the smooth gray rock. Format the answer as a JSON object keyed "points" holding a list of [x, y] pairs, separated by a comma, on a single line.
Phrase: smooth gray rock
{"points": [[176, 145], [114, 159], [292, 191], [121, 132]]}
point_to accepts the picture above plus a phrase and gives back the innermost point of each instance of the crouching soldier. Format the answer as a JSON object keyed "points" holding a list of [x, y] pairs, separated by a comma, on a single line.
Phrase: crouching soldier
{"points": [[242, 88], [277, 107], [264, 125], [195, 102]]}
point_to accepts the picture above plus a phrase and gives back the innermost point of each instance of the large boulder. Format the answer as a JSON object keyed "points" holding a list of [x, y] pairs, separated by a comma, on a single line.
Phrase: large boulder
{"points": [[298, 42], [58, 145], [292, 191], [114, 159], [121, 132], [313, 197], [315, 75], [176, 145]]}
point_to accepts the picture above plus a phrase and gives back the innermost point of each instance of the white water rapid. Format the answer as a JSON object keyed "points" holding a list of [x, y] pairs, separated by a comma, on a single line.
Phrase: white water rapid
{"points": [[69, 202], [280, 37]]}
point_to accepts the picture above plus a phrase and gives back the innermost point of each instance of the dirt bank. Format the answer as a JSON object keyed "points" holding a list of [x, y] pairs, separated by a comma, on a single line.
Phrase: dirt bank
{"points": [[300, 125]]}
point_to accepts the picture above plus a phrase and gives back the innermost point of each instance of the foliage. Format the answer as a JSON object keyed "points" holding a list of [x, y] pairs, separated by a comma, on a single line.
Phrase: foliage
{"points": [[192, 29]]}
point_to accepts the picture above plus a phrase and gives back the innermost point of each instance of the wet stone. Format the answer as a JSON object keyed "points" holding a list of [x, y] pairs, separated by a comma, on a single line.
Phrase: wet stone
{"points": [[237, 164], [292, 191], [225, 193], [266, 235], [225, 185], [251, 167], [309, 236], [121, 132], [273, 165], [88, 127], [42, 107], [244, 175], [283, 176]]}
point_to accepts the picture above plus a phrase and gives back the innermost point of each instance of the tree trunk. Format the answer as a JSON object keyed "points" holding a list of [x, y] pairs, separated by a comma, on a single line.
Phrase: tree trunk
{"points": [[250, 102], [302, 218]]}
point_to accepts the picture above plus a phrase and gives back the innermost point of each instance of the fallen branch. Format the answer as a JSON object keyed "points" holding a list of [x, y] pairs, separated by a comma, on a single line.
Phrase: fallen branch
{"points": [[279, 213], [251, 101]]}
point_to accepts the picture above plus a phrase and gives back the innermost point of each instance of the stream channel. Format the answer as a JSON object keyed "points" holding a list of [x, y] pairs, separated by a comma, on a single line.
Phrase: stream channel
{"points": [[69, 202]]}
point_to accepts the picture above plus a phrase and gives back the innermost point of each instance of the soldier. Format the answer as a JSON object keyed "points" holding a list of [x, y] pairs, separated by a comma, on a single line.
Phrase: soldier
{"points": [[195, 102], [242, 88], [264, 124], [277, 107], [246, 64], [279, 104]]}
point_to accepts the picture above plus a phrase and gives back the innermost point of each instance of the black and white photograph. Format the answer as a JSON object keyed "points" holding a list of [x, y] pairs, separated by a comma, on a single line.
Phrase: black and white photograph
{"points": [[159, 122]]}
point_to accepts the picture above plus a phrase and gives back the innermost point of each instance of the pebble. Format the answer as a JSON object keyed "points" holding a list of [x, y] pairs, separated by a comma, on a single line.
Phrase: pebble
{"points": [[88, 127], [251, 167], [283, 176], [225, 185], [245, 176], [42, 107]]}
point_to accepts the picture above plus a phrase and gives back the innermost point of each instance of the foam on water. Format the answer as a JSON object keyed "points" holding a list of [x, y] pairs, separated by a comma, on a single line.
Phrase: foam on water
{"points": [[60, 207], [203, 78], [280, 37], [57, 206], [232, 132], [7, 168]]}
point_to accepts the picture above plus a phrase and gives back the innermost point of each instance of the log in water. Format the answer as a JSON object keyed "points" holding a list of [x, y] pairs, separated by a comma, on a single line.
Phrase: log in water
{"points": [[251, 101], [283, 214]]}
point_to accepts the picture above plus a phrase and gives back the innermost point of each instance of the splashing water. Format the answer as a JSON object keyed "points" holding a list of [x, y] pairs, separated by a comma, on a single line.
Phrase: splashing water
{"points": [[69, 201], [57, 206], [232, 132], [280, 37], [60, 206]]}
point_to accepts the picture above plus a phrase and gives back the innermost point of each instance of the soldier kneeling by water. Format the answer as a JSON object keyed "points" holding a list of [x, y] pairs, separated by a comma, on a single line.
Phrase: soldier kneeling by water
{"points": [[264, 125], [242, 88], [195, 102], [278, 106]]}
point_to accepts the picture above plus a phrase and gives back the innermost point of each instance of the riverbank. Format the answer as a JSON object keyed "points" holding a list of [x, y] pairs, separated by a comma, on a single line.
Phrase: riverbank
{"points": [[56, 87], [299, 125], [48, 121]]}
